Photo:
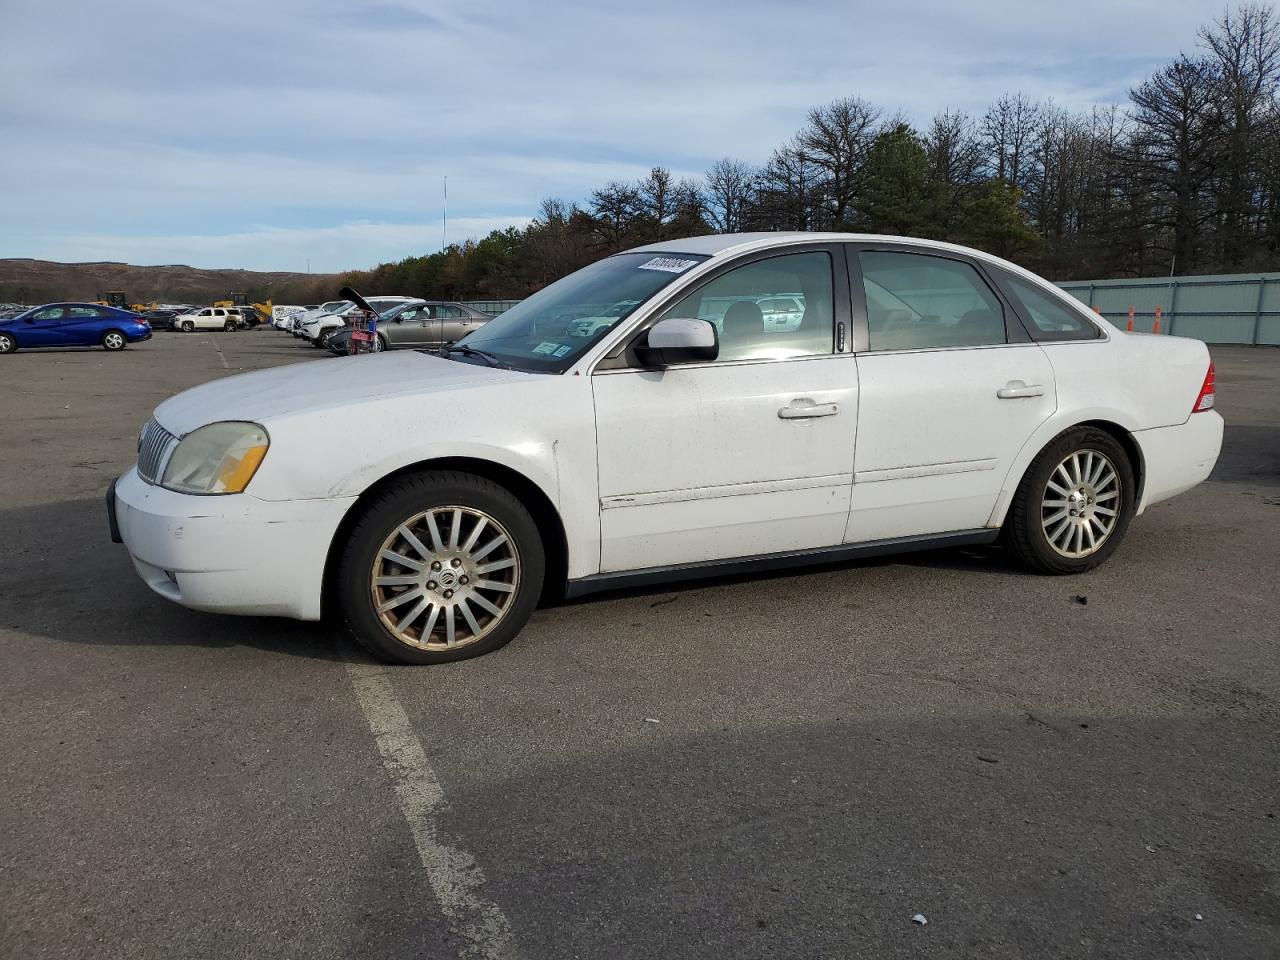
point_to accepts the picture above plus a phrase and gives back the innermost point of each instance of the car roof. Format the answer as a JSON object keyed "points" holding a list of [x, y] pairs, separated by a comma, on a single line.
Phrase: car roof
{"points": [[732, 244]]}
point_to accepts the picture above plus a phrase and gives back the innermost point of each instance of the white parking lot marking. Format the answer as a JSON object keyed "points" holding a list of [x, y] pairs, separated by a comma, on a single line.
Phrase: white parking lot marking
{"points": [[453, 874]]}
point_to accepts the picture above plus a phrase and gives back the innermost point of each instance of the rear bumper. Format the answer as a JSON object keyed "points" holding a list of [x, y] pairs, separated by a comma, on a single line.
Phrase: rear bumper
{"points": [[234, 554], [1177, 458]]}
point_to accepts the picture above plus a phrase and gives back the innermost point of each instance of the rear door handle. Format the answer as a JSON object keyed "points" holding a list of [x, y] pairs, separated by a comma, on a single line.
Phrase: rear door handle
{"points": [[805, 409], [1016, 389]]}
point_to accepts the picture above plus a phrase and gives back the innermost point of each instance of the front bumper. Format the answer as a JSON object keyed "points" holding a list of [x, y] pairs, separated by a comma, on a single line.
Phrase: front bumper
{"points": [[231, 554]]}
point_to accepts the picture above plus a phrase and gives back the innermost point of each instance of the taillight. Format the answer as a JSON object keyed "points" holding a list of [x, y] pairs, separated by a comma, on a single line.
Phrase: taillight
{"points": [[1205, 400]]}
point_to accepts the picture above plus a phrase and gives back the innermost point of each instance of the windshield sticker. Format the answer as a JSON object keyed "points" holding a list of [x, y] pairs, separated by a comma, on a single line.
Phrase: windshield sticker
{"points": [[668, 264], [561, 351], [545, 348]]}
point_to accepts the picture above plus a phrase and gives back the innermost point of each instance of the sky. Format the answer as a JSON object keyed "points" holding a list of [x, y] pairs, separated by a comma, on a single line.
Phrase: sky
{"points": [[314, 134]]}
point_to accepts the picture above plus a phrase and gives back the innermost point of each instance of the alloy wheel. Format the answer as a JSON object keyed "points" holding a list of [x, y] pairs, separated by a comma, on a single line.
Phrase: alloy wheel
{"points": [[113, 341], [445, 578], [1080, 504]]}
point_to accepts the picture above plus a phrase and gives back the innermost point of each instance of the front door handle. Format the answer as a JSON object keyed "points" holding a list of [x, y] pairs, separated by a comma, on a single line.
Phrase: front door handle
{"points": [[1016, 390], [805, 409]]}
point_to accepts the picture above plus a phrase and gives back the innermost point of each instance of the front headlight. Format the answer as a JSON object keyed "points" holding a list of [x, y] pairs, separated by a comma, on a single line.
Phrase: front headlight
{"points": [[219, 458]]}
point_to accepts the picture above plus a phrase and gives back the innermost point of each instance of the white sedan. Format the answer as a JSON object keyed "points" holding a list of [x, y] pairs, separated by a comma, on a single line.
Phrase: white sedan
{"points": [[929, 395]]}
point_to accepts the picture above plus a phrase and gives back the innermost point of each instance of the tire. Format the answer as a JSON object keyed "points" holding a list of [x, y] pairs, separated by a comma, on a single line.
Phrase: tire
{"points": [[380, 344], [489, 513], [1062, 529], [188, 326], [7, 343], [229, 326], [113, 340]]}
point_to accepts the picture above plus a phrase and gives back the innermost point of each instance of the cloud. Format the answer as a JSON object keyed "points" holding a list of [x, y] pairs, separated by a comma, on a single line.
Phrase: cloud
{"points": [[330, 115]]}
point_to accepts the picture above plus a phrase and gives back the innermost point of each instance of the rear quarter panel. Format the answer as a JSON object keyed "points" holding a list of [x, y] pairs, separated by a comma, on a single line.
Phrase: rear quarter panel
{"points": [[1136, 381]]}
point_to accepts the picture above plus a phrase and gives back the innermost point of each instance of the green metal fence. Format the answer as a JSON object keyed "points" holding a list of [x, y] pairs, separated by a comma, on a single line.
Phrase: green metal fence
{"points": [[1235, 308], [490, 306]]}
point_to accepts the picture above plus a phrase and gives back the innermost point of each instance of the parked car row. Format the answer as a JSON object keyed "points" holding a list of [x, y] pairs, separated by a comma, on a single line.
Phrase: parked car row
{"points": [[403, 322]]}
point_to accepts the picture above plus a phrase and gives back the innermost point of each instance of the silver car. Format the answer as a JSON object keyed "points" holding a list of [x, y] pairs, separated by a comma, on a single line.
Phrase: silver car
{"points": [[419, 324]]}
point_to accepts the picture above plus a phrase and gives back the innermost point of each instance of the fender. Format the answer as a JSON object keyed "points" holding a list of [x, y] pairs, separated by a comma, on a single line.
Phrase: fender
{"points": [[1061, 420]]}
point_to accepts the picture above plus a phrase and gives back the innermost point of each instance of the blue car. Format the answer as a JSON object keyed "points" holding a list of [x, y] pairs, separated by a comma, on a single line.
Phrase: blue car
{"points": [[73, 325]]}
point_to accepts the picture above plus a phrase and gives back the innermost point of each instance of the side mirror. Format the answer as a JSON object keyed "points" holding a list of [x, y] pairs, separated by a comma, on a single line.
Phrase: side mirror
{"points": [[678, 340]]}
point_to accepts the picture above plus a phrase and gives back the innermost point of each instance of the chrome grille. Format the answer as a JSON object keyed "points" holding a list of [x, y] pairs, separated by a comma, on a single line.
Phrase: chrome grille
{"points": [[157, 444]]}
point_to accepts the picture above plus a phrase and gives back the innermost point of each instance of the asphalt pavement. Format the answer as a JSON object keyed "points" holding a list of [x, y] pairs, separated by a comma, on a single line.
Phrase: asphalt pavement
{"points": [[790, 765]]}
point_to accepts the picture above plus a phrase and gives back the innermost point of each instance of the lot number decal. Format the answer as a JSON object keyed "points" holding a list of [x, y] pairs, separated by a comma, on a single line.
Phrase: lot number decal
{"points": [[668, 264]]}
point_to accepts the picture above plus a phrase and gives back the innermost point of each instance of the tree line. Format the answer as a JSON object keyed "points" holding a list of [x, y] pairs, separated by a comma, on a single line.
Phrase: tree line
{"points": [[1184, 178]]}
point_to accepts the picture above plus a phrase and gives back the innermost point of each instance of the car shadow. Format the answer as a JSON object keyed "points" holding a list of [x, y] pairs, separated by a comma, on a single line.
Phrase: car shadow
{"points": [[82, 589]]}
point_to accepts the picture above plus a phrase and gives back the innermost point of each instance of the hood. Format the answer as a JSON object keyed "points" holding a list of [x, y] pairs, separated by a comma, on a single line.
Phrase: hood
{"points": [[322, 384]]}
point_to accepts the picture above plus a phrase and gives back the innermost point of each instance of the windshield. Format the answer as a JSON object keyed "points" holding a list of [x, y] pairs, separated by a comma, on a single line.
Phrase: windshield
{"points": [[554, 327]]}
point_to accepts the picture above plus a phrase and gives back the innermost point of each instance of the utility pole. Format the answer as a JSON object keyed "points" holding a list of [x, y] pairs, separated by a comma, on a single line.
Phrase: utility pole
{"points": [[444, 230]]}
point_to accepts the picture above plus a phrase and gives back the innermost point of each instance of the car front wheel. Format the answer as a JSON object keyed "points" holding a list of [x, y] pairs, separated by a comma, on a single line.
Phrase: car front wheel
{"points": [[1074, 503], [7, 343], [440, 566], [187, 326]]}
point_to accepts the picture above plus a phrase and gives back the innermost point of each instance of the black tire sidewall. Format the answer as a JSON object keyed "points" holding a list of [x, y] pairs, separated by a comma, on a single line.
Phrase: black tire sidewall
{"points": [[1030, 540], [187, 327], [391, 507]]}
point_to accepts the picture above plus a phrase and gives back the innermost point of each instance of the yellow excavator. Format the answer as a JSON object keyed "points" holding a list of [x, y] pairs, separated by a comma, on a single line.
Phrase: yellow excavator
{"points": [[119, 299], [263, 310]]}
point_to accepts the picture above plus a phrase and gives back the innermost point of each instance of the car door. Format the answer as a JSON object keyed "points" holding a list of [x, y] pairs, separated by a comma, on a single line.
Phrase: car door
{"points": [[455, 322], [413, 327], [950, 388], [83, 326], [42, 328], [744, 456]]}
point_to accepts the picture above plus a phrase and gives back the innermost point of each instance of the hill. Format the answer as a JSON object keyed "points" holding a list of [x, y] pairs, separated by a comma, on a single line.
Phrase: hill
{"points": [[40, 281]]}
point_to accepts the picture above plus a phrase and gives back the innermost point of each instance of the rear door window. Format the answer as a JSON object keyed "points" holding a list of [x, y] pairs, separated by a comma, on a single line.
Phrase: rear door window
{"points": [[921, 302], [1050, 319]]}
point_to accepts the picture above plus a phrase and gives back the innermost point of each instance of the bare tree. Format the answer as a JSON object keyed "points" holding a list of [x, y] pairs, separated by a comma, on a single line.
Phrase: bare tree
{"points": [[1245, 48], [615, 209], [786, 191], [955, 161], [835, 140], [1176, 149], [729, 186], [1007, 129]]}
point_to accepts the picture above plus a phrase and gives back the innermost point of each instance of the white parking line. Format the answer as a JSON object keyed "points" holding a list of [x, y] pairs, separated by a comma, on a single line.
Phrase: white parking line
{"points": [[453, 874], [222, 357]]}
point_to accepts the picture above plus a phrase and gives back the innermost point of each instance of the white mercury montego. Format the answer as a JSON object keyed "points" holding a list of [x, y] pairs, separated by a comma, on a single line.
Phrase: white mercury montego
{"points": [[928, 395]]}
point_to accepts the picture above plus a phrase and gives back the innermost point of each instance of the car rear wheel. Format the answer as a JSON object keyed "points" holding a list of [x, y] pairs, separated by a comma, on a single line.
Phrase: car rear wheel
{"points": [[187, 326], [441, 566], [1074, 504], [113, 340], [229, 326], [7, 343]]}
